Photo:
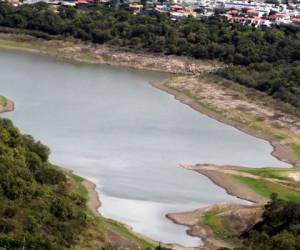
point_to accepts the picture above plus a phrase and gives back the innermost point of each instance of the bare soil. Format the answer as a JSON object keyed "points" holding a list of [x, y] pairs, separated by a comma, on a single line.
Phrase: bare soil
{"points": [[77, 51]]}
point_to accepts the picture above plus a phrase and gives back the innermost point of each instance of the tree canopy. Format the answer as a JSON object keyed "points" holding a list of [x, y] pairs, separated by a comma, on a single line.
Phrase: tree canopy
{"points": [[37, 209]]}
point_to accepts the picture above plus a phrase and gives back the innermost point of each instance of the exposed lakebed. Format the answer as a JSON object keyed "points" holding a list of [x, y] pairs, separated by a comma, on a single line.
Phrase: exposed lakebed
{"points": [[111, 126]]}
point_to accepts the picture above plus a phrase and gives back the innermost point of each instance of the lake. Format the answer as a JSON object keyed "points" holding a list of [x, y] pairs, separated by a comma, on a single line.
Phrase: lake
{"points": [[110, 125]]}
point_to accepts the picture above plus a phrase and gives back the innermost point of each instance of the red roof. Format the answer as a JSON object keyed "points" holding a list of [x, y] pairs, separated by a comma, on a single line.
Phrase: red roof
{"points": [[82, 2]]}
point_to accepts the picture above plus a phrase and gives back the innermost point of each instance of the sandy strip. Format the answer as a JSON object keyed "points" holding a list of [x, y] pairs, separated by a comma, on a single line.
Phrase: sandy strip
{"points": [[93, 202], [221, 176]]}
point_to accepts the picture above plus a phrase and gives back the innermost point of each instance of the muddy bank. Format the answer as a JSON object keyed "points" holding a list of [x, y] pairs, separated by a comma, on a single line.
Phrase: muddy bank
{"points": [[220, 175], [78, 51], [93, 202], [226, 106]]}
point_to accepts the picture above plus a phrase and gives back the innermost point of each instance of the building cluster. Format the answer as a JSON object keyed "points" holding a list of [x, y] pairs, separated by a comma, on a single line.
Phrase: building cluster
{"points": [[260, 14], [257, 13]]}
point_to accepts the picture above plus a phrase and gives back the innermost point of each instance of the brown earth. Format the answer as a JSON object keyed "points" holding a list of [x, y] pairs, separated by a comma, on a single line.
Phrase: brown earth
{"points": [[77, 51]]}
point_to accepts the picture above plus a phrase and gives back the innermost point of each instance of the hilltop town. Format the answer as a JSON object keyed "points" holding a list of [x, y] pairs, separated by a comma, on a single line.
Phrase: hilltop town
{"points": [[260, 13]]}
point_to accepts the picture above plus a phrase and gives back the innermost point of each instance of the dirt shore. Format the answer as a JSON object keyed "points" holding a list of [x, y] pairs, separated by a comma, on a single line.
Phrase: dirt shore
{"points": [[220, 176], [80, 52], [227, 107], [93, 202]]}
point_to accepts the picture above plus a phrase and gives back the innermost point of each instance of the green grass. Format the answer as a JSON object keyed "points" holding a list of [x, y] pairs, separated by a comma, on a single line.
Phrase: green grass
{"points": [[265, 188], [79, 188], [16, 44], [88, 58], [296, 149], [212, 220], [280, 174], [3, 101], [197, 100], [123, 231], [107, 58]]}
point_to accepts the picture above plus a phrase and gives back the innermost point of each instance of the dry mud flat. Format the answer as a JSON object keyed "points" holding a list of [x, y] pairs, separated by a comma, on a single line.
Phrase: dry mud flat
{"points": [[77, 51]]}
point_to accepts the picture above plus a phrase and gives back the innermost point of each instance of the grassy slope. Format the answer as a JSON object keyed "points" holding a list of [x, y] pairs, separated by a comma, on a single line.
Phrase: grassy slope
{"points": [[216, 223], [265, 188], [3, 101], [277, 173], [296, 148]]}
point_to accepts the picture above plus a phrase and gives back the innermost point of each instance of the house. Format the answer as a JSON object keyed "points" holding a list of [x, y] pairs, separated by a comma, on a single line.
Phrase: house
{"points": [[136, 7]]}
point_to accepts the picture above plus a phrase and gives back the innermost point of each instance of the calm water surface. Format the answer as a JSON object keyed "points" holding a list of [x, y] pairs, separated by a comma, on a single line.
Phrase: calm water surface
{"points": [[112, 127]]}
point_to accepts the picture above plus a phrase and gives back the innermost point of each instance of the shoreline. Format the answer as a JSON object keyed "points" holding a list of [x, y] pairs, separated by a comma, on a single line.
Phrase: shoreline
{"points": [[76, 51], [200, 230], [279, 151], [220, 179], [93, 201]]}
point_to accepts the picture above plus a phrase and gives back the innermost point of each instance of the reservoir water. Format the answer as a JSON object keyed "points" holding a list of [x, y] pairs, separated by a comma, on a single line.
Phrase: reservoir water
{"points": [[111, 126]]}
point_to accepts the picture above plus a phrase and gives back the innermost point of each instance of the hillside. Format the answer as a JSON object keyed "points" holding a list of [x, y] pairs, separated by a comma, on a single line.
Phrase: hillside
{"points": [[43, 207]]}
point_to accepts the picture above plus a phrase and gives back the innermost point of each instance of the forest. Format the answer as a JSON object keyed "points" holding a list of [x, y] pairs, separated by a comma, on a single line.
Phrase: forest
{"points": [[37, 209], [266, 60]]}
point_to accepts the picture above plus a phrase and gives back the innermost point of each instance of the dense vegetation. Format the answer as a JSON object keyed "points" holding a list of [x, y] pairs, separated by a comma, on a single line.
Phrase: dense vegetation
{"points": [[37, 210], [267, 60], [279, 228], [43, 208]]}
